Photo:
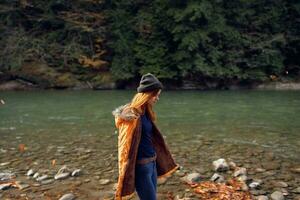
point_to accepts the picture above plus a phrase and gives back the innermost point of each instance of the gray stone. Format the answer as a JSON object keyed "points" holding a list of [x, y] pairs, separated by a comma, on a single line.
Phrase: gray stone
{"points": [[277, 196], [254, 185], [193, 177], [4, 164], [259, 170], [36, 175], [46, 182], [242, 178], [69, 196], [262, 197], [240, 172], [61, 176], [297, 190], [76, 172], [30, 172], [104, 181], [281, 184], [220, 165], [4, 176], [217, 178], [41, 178]]}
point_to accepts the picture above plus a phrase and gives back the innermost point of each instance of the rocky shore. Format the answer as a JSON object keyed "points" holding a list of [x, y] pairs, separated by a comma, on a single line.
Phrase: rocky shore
{"points": [[19, 84], [85, 167]]}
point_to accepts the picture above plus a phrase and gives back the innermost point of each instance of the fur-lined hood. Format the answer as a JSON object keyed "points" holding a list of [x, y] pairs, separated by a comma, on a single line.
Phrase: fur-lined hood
{"points": [[125, 113]]}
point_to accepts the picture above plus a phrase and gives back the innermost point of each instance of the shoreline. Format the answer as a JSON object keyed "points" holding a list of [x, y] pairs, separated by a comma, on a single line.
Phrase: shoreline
{"points": [[20, 85]]}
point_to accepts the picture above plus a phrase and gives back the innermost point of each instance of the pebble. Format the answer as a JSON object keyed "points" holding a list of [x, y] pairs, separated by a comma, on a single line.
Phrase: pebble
{"points": [[297, 190], [41, 178], [61, 176], [69, 196], [232, 165], [87, 180], [259, 170], [277, 196], [30, 172], [296, 170], [254, 185], [104, 181], [281, 184], [240, 171], [36, 175], [262, 197], [49, 181], [220, 165], [192, 178], [76, 172], [23, 186], [217, 178], [6, 176], [4, 164], [242, 178]]}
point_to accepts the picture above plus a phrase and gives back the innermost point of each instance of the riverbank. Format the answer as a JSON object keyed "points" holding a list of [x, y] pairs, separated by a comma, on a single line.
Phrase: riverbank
{"points": [[263, 171], [21, 85]]}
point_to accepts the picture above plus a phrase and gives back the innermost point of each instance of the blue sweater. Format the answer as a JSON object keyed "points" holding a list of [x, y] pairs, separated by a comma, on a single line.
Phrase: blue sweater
{"points": [[146, 148]]}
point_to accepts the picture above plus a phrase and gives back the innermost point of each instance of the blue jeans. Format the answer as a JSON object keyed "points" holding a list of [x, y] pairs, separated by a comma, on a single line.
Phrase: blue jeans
{"points": [[146, 180]]}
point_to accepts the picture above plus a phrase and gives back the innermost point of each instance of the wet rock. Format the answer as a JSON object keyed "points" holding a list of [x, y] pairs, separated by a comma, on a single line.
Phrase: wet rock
{"points": [[242, 178], [281, 184], [46, 182], [254, 185], [232, 165], [4, 164], [36, 175], [192, 178], [62, 173], [76, 172], [61, 176], [259, 170], [41, 178], [284, 191], [180, 174], [4, 176], [296, 170], [23, 186], [240, 172], [297, 190], [64, 169], [217, 178], [104, 181], [69, 196], [220, 165], [262, 197], [87, 180], [277, 196], [30, 172]]}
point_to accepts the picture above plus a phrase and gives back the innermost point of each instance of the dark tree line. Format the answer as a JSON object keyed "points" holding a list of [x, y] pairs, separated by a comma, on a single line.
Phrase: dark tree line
{"points": [[229, 42]]}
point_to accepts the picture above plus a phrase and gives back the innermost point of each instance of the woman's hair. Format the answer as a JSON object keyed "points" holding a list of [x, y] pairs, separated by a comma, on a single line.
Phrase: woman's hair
{"points": [[141, 99]]}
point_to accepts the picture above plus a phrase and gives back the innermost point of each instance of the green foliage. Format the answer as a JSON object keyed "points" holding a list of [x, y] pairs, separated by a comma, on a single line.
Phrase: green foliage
{"points": [[244, 40]]}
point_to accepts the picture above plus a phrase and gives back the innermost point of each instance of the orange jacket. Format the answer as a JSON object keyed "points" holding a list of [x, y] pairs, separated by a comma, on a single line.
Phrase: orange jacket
{"points": [[128, 122]]}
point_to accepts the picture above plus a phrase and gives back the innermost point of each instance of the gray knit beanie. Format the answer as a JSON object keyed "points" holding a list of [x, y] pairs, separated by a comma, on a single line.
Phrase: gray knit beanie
{"points": [[148, 83]]}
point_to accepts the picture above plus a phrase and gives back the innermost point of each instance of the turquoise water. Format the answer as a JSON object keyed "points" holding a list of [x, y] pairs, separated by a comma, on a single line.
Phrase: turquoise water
{"points": [[264, 118]]}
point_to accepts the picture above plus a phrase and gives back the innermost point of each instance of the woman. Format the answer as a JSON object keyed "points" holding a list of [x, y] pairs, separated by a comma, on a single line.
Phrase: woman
{"points": [[143, 155]]}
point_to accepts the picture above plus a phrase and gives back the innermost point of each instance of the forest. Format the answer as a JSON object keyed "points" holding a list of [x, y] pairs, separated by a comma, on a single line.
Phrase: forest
{"points": [[111, 43]]}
